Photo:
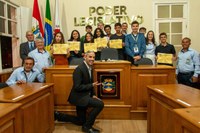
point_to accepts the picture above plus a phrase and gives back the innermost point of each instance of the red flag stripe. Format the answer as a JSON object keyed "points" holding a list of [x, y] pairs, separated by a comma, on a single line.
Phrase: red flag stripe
{"points": [[36, 15]]}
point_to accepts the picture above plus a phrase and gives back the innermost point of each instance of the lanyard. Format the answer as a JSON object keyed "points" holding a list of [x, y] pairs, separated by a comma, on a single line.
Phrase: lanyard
{"points": [[135, 39], [135, 47], [26, 77]]}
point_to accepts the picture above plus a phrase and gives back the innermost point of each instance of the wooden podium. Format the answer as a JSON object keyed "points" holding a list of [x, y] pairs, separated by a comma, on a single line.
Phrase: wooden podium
{"points": [[61, 76], [118, 104], [37, 105], [128, 99]]}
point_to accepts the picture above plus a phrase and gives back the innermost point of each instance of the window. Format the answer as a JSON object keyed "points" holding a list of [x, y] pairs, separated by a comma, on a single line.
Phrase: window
{"points": [[8, 18], [6, 52], [8, 33], [172, 19]]}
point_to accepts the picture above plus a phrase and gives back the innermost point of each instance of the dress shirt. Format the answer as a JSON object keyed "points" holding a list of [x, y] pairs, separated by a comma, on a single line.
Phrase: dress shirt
{"points": [[188, 61], [20, 74], [89, 69], [42, 59]]}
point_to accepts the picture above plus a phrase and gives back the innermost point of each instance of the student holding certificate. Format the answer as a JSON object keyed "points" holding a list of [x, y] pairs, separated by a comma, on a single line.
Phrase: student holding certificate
{"points": [[165, 50], [135, 44], [99, 36], [75, 37], [119, 36], [88, 39], [59, 59]]}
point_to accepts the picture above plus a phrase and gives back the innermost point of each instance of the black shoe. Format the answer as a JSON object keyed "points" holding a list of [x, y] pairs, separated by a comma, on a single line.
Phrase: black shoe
{"points": [[87, 130], [90, 130], [96, 130]]}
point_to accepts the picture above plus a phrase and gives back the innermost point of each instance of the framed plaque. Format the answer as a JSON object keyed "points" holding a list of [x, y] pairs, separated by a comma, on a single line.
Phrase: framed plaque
{"points": [[110, 87]]}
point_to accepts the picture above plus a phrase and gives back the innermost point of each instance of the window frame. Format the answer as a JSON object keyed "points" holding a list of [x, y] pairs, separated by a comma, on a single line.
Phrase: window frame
{"points": [[6, 19], [184, 19]]}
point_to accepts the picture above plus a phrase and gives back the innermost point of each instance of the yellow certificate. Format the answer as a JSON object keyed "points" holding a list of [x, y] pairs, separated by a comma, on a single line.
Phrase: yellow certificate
{"points": [[101, 42], [90, 47], [164, 58], [60, 48], [116, 43], [74, 46]]}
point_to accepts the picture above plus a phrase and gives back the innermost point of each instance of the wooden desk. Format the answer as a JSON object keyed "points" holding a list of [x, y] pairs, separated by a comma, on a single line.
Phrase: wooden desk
{"points": [[61, 76], [10, 121], [5, 74], [37, 105], [144, 75], [162, 99], [187, 120]]}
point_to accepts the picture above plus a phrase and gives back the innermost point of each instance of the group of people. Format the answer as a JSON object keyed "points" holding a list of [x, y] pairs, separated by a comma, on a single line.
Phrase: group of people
{"points": [[135, 46]]}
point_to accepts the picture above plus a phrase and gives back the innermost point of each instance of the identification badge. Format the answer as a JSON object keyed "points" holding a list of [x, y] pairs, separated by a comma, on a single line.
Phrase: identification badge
{"points": [[135, 49], [188, 61]]}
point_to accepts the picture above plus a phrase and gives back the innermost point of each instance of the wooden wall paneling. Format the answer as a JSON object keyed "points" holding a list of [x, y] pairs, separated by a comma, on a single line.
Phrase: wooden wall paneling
{"points": [[142, 76]]}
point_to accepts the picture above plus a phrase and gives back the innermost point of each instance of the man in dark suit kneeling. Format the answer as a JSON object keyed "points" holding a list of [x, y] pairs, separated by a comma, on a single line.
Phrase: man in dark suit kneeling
{"points": [[83, 95]]}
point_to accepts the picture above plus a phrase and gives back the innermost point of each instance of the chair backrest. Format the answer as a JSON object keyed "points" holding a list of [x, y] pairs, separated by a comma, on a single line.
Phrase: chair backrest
{"points": [[76, 61], [144, 61], [109, 53]]}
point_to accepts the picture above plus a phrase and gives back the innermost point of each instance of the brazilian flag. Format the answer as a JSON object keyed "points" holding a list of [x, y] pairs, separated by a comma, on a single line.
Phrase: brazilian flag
{"points": [[48, 35]]}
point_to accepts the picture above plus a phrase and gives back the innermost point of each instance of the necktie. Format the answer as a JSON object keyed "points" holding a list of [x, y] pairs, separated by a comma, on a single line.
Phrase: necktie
{"points": [[31, 46]]}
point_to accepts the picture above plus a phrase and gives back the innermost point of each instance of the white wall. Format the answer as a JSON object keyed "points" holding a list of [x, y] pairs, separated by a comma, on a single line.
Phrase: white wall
{"points": [[194, 22], [79, 8]]}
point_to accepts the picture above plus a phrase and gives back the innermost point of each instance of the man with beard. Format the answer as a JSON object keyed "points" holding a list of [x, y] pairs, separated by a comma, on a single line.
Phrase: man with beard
{"points": [[25, 74], [83, 95]]}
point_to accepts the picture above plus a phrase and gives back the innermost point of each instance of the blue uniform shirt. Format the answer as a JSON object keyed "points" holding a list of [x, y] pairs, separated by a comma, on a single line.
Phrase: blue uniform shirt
{"points": [[188, 61], [42, 59], [19, 74]]}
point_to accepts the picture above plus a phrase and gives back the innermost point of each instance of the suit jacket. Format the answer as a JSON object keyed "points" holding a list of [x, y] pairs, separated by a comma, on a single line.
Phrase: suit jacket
{"points": [[130, 43], [82, 89], [24, 50]]}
